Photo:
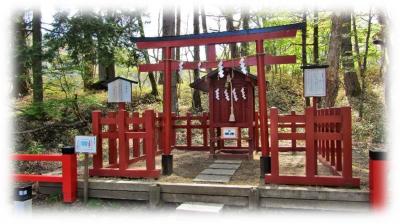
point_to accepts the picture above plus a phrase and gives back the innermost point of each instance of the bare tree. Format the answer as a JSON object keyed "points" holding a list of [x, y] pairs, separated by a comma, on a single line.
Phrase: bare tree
{"points": [[196, 30], [168, 29], [230, 27], [152, 79], [351, 83], [363, 68], [333, 60], [245, 16]]}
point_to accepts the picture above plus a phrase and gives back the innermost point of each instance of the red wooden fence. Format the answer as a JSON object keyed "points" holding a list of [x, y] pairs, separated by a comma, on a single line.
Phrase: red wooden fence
{"points": [[328, 138], [125, 129], [68, 177]]}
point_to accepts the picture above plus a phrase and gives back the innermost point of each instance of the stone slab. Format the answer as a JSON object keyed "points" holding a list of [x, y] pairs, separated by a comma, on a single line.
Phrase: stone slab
{"points": [[228, 161], [228, 172], [224, 166], [212, 178], [200, 207]]}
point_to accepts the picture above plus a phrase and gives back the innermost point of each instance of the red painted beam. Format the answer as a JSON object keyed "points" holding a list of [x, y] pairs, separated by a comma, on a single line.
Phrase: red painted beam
{"points": [[216, 40], [250, 61], [35, 177], [33, 157]]}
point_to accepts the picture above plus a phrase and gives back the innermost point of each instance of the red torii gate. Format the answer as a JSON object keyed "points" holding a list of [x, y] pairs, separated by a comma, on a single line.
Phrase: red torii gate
{"points": [[210, 39]]}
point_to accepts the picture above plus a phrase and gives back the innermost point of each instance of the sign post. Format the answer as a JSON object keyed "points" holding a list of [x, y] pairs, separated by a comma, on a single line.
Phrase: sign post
{"points": [[85, 145], [314, 82]]}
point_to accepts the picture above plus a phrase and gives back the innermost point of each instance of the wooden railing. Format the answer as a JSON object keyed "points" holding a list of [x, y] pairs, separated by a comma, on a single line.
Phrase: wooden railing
{"points": [[68, 177], [328, 138]]}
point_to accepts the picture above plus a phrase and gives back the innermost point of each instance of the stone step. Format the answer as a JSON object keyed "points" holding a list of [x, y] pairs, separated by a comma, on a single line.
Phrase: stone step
{"points": [[224, 166], [228, 161], [228, 172], [212, 178], [200, 207]]}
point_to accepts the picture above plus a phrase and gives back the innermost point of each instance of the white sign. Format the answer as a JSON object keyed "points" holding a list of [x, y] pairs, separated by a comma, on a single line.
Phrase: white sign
{"points": [[229, 132], [119, 91], [85, 144], [314, 82]]}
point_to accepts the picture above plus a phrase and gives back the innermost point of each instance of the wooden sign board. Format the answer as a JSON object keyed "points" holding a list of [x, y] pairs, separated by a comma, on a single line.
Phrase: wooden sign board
{"points": [[229, 132], [314, 82], [119, 91], [85, 144]]}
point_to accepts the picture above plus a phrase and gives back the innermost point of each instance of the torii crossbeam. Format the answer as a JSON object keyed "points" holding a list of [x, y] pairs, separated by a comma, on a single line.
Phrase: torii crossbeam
{"points": [[210, 39]]}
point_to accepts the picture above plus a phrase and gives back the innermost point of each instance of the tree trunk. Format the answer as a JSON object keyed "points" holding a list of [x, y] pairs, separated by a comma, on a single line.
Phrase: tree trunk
{"points": [[316, 37], [152, 79], [196, 57], [351, 83], [230, 27], [102, 72], [245, 24], [37, 57], [87, 72], [304, 47], [204, 26], [22, 79], [364, 67], [333, 61], [168, 29]]}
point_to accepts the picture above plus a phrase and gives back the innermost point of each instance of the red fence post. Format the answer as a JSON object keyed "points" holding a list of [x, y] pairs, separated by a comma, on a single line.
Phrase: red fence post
{"points": [[135, 142], [274, 142], [189, 130], [377, 179], [311, 159], [112, 142], [205, 131], [122, 146], [347, 143], [338, 144], [149, 126], [332, 147], [293, 130], [96, 130], [69, 176]]}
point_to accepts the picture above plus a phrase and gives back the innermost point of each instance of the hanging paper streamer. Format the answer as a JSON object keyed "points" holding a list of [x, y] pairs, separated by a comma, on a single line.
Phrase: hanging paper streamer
{"points": [[199, 65], [243, 93], [217, 94], [226, 95], [180, 68], [243, 66], [235, 97], [220, 69]]}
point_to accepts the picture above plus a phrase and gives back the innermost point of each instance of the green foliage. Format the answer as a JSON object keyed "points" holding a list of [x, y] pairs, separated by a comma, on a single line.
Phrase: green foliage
{"points": [[36, 148]]}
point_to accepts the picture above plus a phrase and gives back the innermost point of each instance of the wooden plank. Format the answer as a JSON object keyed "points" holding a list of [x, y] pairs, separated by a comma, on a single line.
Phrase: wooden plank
{"points": [[103, 184], [291, 118], [328, 136], [314, 193], [226, 200], [290, 136], [206, 189], [314, 180], [347, 206], [328, 119], [112, 194]]}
